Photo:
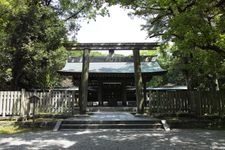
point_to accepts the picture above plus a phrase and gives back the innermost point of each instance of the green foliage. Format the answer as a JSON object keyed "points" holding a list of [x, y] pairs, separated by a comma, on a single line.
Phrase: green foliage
{"points": [[188, 23], [96, 53], [149, 53], [72, 12], [44, 69], [199, 69], [168, 62], [31, 33], [196, 29], [80, 53], [75, 53], [34, 33]]}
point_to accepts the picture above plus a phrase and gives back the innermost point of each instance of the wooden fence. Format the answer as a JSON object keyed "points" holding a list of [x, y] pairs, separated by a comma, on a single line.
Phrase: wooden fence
{"points": [[199, 103], [15, 103]]}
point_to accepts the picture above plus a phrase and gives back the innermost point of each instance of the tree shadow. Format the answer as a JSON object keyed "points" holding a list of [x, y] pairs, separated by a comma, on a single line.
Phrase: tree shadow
{"points": [[116, 139]]}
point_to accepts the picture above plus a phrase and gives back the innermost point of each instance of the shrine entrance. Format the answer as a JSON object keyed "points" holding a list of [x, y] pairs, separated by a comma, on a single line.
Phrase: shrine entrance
{"points": [[112, 78], [112, 94]]}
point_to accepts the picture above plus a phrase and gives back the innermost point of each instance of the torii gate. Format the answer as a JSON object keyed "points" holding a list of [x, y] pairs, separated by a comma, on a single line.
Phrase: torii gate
{"points": [[87, 47]]}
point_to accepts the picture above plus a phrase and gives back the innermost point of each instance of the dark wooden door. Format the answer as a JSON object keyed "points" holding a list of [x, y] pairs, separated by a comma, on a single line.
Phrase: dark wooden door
{"points": [[112, 93]]}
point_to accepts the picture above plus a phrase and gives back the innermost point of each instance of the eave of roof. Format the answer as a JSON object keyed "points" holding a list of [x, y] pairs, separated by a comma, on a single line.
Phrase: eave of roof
{"points": [[168, 88], [113, 67]]}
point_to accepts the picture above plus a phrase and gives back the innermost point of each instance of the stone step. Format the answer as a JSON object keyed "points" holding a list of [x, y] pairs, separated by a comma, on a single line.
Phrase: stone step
{"points": [[111, 126], [110, 121], [112, 109]]}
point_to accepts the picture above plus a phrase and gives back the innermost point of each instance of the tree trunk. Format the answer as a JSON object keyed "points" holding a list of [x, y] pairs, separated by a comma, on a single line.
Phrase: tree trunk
{"points": [[216, 81], [17, 70]]}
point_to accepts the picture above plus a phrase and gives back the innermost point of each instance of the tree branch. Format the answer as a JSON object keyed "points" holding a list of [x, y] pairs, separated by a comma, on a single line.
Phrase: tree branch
{"points": [[193, 2], [220, 3], [47, 2], [213, 48], [74, 15], [156, 35]]}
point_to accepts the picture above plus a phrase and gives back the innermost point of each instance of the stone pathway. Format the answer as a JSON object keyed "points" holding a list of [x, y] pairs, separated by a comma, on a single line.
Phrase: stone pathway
{"points": [[109, 120], [110, 116], [115, 140]]}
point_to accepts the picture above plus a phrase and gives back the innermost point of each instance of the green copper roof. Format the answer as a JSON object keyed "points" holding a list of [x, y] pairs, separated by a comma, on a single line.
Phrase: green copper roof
{"points": [[111, 67]]}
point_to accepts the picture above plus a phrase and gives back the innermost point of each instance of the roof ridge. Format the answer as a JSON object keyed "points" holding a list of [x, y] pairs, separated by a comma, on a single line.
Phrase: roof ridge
{"points": [[111, 59]]}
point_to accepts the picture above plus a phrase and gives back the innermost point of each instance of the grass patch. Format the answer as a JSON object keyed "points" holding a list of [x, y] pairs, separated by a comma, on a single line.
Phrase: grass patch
{"points": [[18, 125], [11, 127], [12, 130]]}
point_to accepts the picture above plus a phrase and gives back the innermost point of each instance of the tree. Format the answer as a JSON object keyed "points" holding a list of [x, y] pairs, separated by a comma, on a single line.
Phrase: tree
{"points": [[196, 28], [188, 23], [33, 32], [31, 35], [5, 73]]}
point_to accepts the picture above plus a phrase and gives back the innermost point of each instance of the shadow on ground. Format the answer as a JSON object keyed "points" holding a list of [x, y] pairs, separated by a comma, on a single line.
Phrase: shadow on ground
{"points": [[115, 139]]}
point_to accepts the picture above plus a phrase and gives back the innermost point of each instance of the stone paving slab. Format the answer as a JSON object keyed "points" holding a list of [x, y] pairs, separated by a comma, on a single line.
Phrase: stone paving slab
{"points": [[115, 140], [110, 116]]}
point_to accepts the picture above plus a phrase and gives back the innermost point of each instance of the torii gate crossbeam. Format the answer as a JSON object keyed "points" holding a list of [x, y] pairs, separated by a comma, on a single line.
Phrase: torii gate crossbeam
{"points": [[86, 47]]}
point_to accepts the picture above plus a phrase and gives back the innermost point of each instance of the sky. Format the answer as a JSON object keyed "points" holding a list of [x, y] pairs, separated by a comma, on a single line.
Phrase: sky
{"points": [[119, 27]]}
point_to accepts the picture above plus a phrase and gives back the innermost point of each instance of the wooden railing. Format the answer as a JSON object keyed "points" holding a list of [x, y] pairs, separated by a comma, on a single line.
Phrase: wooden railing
{"points": [[199, 103]]}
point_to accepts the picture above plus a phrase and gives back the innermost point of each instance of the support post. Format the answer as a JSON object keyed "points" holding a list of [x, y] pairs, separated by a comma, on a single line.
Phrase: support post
{"points": [[124, 95], [100, 100], [33, 117], [72, 102], [23, 104], [84, 83], [145, 95], [138, 82], [3, 103]]}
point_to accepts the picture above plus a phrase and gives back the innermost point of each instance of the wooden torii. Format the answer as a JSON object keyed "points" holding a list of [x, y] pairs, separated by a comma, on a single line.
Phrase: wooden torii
{"points": [[87, 47]]}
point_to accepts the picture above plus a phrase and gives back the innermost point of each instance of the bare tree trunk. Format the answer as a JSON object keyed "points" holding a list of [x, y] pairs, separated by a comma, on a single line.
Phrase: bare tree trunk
{"points": [[217, 87]]}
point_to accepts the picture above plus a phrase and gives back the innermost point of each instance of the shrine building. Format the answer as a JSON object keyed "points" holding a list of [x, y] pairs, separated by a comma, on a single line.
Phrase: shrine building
{"points": [[110, 80]]}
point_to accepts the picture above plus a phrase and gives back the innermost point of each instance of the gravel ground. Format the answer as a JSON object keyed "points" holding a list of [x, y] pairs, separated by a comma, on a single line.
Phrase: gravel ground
{"points": [[115, 140]]}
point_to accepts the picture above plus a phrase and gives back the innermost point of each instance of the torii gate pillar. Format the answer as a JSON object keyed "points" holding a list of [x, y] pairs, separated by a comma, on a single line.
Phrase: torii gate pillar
{"points": [[83, 88], [138, 82], [86, 47]]}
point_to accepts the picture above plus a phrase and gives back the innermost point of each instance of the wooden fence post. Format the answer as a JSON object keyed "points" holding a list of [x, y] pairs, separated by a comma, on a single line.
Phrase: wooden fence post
{"points": [[72, 102], [198, 104], [1, 112], [63, 102], [49, 101], [3, 103], [221, 103], [150, 105], [23, 107], [192, 105]]}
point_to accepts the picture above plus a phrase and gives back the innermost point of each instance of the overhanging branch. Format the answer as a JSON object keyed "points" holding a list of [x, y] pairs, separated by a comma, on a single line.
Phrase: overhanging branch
{"points": [[74, 15], [213, 48]]}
